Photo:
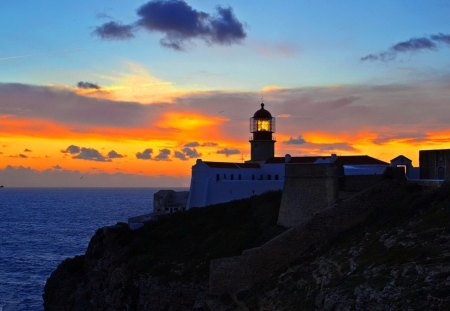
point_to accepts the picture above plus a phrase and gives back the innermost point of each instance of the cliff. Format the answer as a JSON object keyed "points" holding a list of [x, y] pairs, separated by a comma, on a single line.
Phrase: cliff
{"points": [[164, 265], [397, 259]]}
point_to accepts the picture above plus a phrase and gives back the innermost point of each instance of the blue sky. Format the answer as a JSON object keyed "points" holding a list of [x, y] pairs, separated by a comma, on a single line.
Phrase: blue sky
{"points": [[288, 43]]}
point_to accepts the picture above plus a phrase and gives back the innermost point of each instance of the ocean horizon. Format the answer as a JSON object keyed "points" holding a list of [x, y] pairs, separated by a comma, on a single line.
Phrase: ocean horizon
{"points": [[42, 226]]}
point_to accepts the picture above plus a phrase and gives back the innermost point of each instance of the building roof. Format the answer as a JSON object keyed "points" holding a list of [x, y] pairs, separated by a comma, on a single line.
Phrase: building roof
{"points": [[401, 158], [304, 160], [262, 113], [359, 160], [231, 165], [341, 160]]}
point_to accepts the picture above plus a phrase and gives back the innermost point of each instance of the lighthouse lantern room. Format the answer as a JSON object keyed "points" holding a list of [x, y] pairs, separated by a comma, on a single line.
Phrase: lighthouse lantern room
{"points": [[262, 145]]}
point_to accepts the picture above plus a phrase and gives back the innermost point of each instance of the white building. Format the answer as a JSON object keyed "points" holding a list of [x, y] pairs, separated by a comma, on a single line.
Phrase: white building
{"points": [[218, 182]]}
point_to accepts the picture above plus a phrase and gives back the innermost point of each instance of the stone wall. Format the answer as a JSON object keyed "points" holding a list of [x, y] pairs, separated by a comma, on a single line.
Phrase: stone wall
{"points": [[356, 183], [308, 189], [435, 164], [169, 201], [238, 273]]}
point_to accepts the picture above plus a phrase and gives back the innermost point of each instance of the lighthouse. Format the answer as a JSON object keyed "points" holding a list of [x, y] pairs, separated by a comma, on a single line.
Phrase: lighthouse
{"points": [[262, 144]]}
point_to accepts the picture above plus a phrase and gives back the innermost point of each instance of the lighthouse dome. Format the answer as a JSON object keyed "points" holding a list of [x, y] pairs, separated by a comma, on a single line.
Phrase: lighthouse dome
{"points": [[262, 113]]}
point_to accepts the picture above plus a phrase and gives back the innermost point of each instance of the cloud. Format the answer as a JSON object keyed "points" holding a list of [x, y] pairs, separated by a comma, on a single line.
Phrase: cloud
{"points": [[145, 155], [192, 144], [180, 155], [179, 22], [72, 149], [27, 150], [23, 156], [114, 155], [441, 38], [88, 85], [91, 154], [197, 144], [294, 141], [114, 31], [191, 152], [228, 152], [412, 45], [163, 155], [209, 144], [64, 106], [57, 167]]}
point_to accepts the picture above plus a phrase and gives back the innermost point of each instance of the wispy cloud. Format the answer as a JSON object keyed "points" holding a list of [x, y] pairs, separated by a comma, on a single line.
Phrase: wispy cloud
{"points": [[428, 43], [43, 54]]}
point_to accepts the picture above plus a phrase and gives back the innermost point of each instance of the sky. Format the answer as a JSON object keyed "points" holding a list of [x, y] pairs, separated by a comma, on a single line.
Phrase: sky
{"points": [[131, 93]]}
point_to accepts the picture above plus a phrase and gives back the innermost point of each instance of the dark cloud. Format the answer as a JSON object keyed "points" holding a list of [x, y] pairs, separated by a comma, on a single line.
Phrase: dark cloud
{"points": [[228, 152], [441, 38], [191, 152], [23, 156], [114, 31], [163, 155], [179, 22], [88, 85], [145, 155], [57, 167], [414, 44], [192, 144], [72, 149], [197, 144], [295, 141], [411, 45], [209, 144], [114, 155], [91, 154], [180, 155], [27, 150]]}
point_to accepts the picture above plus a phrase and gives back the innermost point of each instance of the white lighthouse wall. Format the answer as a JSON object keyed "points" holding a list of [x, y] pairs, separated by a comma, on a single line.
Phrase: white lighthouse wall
{"points": [[210, 185]]}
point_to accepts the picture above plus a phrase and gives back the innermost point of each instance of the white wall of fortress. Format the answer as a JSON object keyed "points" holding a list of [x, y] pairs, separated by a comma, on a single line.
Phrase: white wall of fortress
{"points": [[212, 185]]}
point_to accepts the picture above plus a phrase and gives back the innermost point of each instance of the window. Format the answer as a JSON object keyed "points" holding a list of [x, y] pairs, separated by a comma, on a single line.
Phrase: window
{"points": [[224, 176], [239, 177], [231, 176], [261, 177], [277, 177], [269, 177], [217, 177], [253, 176]]}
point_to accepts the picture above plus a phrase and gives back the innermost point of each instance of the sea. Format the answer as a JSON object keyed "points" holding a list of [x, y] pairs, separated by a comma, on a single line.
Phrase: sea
{"points": [[40, 227]]}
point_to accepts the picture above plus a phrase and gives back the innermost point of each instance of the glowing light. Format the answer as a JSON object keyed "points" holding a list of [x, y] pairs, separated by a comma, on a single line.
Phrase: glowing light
{"points": [[263, 125]]}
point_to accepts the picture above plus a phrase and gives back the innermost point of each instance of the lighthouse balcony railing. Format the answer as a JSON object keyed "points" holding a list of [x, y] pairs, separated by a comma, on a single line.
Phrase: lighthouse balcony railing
{"points": [[251, 138]]}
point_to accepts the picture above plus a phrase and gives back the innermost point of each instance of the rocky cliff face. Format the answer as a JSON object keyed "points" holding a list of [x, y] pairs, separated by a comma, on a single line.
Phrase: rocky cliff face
{"points": [[398, 260], [164, 265]]}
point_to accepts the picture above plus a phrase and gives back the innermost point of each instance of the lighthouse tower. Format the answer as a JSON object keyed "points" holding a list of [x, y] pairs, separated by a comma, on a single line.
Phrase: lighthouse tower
{"points": [[262, 145]]}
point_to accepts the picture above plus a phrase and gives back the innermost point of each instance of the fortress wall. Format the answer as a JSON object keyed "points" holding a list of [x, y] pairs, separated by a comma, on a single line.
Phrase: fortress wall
{"points": [[308, 189], [355, 183], [238, 273]]}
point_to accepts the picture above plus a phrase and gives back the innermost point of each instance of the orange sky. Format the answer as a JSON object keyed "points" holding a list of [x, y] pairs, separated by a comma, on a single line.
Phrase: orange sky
{"points": [[39, 123]]}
